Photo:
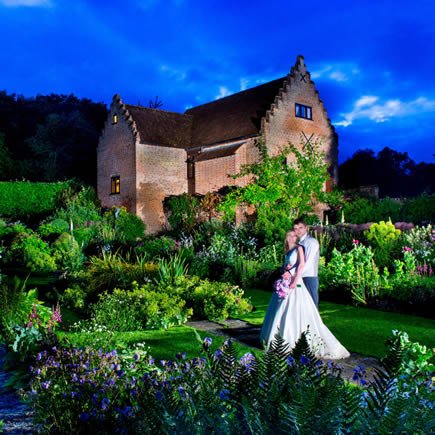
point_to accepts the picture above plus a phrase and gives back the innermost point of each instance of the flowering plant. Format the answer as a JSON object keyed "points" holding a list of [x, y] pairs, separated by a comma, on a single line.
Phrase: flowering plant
{"points": [[282, 287]]}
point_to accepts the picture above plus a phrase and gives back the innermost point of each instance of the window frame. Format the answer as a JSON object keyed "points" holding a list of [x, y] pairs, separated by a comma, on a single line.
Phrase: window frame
{"points": [[303, 111], [115, 185]]}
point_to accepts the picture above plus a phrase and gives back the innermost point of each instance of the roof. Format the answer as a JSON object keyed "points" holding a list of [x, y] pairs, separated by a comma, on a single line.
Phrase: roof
{"points": [[162, 127], [236, 116]]}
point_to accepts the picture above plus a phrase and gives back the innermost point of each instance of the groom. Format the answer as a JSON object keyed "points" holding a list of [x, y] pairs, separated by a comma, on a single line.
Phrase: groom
{"points": [[311, 248]]}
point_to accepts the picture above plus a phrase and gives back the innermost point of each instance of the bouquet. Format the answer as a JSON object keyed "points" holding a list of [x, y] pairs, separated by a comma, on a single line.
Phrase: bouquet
{"points": [[282, 287]]}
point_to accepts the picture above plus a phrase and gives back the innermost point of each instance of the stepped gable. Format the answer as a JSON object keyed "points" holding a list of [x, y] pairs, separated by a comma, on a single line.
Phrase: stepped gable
{"points": [[160, 127], [236, 116]]}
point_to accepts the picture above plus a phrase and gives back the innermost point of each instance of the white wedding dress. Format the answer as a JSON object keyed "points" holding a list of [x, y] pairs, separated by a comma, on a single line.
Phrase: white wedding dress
{"points": [[295, 314]]}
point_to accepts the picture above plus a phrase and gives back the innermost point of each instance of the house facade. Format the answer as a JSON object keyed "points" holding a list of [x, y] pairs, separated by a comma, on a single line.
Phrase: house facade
{"points": [[145, 155]]}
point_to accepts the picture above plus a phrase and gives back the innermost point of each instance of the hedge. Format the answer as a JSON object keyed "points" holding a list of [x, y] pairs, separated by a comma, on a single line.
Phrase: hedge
{"points": [[25, 198]]}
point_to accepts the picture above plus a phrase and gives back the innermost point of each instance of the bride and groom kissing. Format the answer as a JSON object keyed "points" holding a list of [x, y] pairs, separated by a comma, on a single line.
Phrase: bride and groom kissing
{"points": [[293, 308]]}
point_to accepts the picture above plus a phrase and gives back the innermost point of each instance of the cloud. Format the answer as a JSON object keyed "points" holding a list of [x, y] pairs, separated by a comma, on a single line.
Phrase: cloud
{"points": [[338, 72], [370, 107], [27, 3], [173, 73], [223, 92], [244, 84]]}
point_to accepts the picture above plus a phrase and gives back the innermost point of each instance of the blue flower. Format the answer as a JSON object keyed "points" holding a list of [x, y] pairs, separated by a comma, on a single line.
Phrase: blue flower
{"points": [[159, 395], [290, 361], [84, 416], [127, 411], [136, 357], [218, 353], [224, 394], [304, 360], [45, 385]]}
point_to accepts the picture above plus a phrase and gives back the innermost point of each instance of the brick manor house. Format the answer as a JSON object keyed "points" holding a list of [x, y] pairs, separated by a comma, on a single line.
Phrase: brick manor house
{"points": [[145, 155]]}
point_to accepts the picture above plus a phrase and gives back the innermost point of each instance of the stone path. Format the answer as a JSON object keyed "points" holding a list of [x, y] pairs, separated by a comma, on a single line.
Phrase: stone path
{"points": [[248, 334], [16, 416]]}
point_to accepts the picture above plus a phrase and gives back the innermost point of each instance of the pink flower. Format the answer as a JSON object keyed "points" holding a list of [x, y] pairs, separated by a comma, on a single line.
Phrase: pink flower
{"points": [[407, 249], [282, 287], [355, 242]]}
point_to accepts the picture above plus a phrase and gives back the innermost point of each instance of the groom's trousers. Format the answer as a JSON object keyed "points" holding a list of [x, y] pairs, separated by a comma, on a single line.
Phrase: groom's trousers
{"points": [[312, 285]]}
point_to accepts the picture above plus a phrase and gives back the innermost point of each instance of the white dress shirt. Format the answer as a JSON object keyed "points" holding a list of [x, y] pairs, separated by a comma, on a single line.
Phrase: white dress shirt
{"points": [[312, 255]]}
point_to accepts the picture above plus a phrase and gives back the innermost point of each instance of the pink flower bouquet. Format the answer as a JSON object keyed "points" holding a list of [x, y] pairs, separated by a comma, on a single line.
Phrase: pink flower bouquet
{"points": [[282, 287]]}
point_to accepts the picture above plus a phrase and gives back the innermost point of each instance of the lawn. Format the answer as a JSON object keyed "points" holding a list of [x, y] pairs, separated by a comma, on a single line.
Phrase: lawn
{"points": [[361, 330], [163, 344]]}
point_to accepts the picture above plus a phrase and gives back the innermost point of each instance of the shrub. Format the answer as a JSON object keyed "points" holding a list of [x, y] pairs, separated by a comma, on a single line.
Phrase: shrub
{"points": [[67, 253], [421, 242], [156, 247], [53, 227], [31, 252], [24, 198], [113, 270], [183, 210], [217, 300], [127, 227], [385, 240], [420, 210], [144, 307], [354, 270]]}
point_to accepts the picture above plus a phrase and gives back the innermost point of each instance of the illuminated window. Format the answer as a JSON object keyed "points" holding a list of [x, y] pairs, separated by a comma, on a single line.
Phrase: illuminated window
{"points": [[115, 185], [302, 111], [115, 119]]}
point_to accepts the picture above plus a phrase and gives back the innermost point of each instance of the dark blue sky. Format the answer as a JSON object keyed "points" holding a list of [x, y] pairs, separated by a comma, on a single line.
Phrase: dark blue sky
{"points": [[373, 62]]}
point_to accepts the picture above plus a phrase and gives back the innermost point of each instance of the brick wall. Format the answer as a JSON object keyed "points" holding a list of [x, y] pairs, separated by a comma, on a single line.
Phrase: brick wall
{"points": [[281, 125], [116, 157], [161, 171]]}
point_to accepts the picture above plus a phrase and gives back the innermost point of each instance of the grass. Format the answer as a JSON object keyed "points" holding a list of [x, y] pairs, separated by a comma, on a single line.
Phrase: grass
{"points": [[359, 329], [163, 344]]}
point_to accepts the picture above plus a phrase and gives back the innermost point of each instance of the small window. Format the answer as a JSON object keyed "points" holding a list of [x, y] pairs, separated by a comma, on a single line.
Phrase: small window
{"points": [[190, 170], [115, 185], [302, 111], [115, 119]]}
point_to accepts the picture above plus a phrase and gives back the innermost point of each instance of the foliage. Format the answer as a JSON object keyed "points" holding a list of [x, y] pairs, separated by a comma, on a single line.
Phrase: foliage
{"points": [[421, 242], [67, 253], [156, 247], [30, 251], [53, 227], [396, 174], [183, 211], [360, 210], [419, 209], [216, 300], [127, 226], [22, 198], [279, 191], [355, 270], [113, 270], [78, 390], [144, 307], [171, 268], [51, 132], [385, 239]]}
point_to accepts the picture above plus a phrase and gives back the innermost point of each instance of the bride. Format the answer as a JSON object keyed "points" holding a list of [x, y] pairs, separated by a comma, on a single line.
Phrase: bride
{"points": [[292, 311]]}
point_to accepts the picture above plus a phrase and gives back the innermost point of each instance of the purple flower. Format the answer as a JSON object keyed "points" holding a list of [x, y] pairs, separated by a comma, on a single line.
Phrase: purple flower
{"points": [[105, 403], [136, 357], [45, 385], [207, 342], [218, 354], [159, 395]]}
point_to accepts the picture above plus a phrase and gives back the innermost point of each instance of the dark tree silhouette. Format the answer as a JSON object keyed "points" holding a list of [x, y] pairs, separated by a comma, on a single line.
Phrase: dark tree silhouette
{"points": [[394, 172]]}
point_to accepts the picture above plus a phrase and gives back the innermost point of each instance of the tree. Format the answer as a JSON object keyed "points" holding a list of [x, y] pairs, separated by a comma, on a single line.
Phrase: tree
{"points": [[281, 191]]}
